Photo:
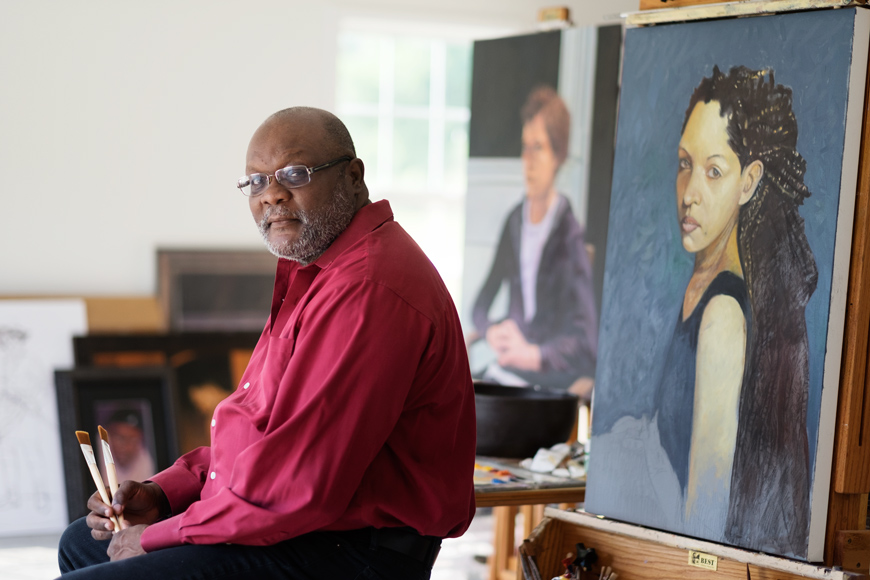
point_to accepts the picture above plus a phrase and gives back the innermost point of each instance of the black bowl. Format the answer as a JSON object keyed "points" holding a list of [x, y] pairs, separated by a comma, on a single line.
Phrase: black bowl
{"points": [[515, 422]]}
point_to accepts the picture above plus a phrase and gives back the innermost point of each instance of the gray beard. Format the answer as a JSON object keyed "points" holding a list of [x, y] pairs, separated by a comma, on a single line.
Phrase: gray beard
{"points": [[319, 227]]}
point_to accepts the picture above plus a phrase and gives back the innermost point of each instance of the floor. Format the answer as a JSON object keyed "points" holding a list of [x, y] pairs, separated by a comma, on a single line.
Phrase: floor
{"points": [[35, 558], [29, 558]]}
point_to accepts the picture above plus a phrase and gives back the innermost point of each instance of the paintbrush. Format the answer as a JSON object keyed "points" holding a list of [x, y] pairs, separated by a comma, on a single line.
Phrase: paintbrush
{"points": [[109, 461], [88, 451]]}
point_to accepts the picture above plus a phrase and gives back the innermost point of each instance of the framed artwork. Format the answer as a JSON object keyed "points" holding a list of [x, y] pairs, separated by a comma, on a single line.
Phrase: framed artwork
{"points": [[728, 252], [543, 111], [134, 406], [205, 368], [216, 290]]}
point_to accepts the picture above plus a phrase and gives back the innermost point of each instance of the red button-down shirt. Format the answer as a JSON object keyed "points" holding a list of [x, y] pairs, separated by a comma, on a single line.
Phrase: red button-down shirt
{"points": [[356, 410]]}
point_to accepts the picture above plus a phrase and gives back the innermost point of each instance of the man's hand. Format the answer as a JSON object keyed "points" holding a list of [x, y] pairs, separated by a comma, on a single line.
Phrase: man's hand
{"points": [[138, 503], [127, 543], [512, 348]]}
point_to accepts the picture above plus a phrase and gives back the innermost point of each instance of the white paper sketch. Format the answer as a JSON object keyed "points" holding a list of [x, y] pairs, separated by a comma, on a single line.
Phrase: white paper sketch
{"points": [[35, 339]]}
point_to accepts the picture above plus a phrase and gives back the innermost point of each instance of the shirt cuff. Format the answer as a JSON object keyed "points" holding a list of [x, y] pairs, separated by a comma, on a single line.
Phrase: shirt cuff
{"points": [[181, 487], [165, 534]]}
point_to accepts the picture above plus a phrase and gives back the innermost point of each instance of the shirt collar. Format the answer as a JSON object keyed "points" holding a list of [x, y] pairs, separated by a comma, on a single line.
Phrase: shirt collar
{"points": [[366, 219]]}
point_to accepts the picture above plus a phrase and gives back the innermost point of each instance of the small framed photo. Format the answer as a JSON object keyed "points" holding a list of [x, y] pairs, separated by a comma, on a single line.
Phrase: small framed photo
{"points": [[135, 407]]}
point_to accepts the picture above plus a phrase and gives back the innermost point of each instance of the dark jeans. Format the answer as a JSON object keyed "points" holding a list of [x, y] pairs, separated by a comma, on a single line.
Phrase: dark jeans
{"points": [[315, 556]]}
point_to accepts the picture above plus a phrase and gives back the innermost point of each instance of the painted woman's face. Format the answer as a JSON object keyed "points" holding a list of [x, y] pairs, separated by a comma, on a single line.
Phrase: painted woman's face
{"points": [[539, 160], [709, 181]]}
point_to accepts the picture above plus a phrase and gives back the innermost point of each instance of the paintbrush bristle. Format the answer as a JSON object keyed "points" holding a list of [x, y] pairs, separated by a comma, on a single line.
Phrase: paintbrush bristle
{"points": [[104, 435], [83, 437]]}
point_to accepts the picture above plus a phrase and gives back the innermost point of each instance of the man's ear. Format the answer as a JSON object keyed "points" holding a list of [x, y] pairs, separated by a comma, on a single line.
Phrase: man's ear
{"points": [[749, 179], [356, 171], [355, 175]]}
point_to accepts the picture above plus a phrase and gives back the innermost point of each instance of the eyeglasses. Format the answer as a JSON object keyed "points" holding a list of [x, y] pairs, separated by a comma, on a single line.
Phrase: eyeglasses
{"points": [[290, 177]]}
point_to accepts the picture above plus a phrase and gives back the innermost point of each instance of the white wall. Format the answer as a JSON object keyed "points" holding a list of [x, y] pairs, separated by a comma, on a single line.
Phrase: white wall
{"points": [[123, 125]]}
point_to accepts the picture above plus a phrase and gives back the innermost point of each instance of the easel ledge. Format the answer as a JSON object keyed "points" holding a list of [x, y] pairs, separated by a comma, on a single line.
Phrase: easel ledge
{"points": [[640, 553], [659, 12]]}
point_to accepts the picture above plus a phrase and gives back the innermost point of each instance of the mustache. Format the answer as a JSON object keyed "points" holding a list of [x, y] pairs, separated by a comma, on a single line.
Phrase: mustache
{"points": [[281, 212]]}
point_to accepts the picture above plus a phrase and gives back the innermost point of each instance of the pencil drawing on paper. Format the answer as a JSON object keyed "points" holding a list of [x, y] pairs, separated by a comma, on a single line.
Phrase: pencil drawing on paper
{"points": [[20, 488], [35, 338], [720, 278]]}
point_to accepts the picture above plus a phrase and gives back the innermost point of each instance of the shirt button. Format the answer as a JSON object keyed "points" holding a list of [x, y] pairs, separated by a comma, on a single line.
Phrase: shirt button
{"points": [[247, 385], [213, 422], [213, 474]]}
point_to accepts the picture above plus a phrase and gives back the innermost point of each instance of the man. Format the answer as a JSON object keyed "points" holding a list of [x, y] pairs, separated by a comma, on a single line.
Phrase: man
{"points": [[347, 450]]}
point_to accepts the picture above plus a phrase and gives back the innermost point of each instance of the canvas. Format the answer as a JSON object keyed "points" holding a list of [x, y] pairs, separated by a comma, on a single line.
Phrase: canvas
{"points": [[536, 101], [724, 295]]}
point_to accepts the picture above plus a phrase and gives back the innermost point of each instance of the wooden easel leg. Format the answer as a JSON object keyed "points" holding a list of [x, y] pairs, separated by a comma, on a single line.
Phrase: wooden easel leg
{"points": [[532, 516], [846, 512], [503, 540]]}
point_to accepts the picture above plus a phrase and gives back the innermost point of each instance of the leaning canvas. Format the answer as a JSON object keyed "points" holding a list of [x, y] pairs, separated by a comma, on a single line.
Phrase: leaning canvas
{"points": [[724, 294], [536, 201]]}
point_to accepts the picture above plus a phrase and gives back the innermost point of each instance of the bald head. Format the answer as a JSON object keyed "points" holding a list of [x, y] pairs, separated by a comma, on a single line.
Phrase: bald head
{"points": [[335, 137]]}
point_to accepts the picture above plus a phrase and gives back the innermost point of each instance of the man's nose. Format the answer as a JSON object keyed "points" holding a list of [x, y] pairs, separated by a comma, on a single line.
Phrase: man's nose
{"points": [[275, 193]]}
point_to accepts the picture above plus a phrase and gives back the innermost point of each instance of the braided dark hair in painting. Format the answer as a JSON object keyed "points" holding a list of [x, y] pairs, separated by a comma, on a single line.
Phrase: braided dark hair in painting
{"points": [[769, 503]]}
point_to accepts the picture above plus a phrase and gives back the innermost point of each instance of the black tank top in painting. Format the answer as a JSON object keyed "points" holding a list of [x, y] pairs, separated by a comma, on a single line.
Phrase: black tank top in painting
{"points": [[675, 397]]}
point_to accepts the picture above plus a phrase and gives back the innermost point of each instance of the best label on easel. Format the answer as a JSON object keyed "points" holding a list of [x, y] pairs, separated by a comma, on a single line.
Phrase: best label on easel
{"points": [[702, 560]]}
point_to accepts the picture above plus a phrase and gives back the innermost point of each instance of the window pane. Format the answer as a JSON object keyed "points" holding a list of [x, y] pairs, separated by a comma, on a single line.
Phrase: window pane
{"points": [[410, 153], [455, 155], [358, 69], [412, 72], [459, 74], [364, 131]]}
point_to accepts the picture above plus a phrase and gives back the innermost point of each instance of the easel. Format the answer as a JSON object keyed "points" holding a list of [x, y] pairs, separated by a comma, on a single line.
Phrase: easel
{"points": [[847, 540]]}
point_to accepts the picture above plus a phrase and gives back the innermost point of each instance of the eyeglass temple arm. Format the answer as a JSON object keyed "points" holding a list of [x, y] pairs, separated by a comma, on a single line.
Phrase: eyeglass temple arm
{"points": [[330, 163]]}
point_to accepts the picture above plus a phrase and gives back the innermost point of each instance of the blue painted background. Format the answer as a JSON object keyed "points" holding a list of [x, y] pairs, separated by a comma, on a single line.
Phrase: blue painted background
{"points": [[647, 268]]}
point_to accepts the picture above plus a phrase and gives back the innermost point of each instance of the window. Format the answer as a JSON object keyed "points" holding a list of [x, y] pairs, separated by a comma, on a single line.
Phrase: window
{"points": [[406, 99], [406, 102]]}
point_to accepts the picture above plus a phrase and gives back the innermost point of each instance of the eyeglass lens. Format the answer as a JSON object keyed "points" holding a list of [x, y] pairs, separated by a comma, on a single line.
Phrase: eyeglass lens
{"points": [[257, 183], [293, 176]]}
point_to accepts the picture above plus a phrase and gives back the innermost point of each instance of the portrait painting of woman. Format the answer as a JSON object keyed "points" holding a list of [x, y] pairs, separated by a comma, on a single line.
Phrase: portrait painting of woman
{"points": [[549, 336], [734, 436], [728, 248]]}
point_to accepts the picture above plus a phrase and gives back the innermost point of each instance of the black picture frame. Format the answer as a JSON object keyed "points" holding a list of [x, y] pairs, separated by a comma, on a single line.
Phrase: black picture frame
{"points": [[86, 395], [205, 367]]}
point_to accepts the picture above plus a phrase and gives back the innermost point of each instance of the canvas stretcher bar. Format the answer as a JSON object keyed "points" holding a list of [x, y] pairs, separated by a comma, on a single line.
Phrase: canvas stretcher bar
{"points": [[847, 507], [729, 9], [849, 458], [852, 467]]}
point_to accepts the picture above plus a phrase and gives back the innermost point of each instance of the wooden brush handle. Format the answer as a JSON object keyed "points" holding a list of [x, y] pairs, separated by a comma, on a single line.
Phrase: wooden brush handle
{"points": [[88, 452], [111, 474]]}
